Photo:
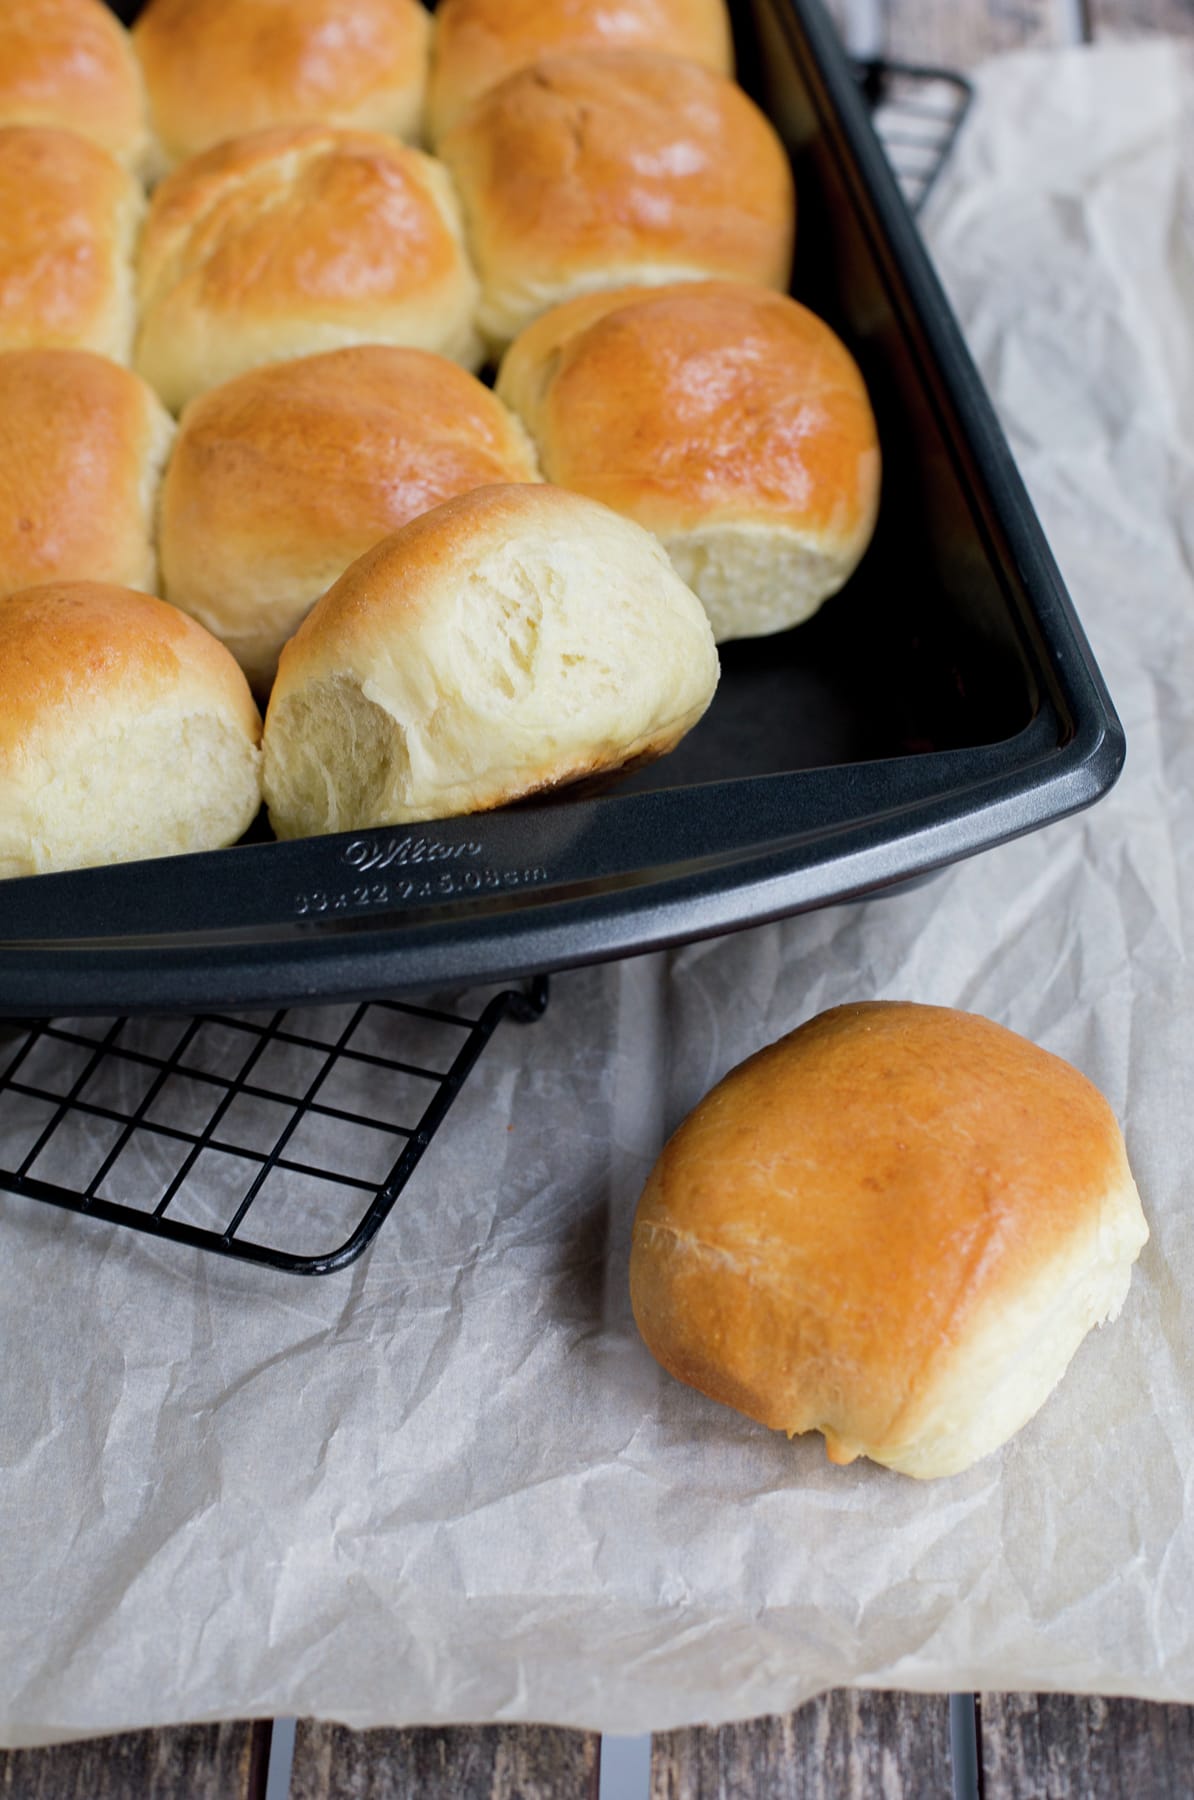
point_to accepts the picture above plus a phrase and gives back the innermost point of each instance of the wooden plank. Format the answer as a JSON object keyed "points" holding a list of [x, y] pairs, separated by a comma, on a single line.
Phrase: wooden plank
{"points": [[489, 1762], [957, 33], [1059, 1747], [1143, 15], [194, 1762], [844, 1746]]}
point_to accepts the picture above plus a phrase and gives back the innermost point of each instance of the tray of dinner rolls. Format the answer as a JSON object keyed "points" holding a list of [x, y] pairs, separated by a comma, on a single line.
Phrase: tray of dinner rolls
{"points": [[484, 490]]}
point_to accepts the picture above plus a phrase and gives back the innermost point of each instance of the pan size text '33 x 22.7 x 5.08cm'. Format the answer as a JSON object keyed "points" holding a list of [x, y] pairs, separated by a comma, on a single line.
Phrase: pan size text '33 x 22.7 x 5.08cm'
{"points": [[416, 868]]}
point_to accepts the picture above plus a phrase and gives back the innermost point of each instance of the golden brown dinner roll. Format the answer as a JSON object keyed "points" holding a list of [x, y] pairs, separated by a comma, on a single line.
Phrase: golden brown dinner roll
{"points": [[479, 42], [593, 171], [216, 69], [895, 1226], [294, 240], [507, 641], [727, 419], [70, 63], [125, 731], [68, 223], [82, 447], [281, 478]]}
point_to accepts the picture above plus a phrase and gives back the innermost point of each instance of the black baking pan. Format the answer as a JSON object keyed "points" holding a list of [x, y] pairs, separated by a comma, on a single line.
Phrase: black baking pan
{"points": [[945, 701]]}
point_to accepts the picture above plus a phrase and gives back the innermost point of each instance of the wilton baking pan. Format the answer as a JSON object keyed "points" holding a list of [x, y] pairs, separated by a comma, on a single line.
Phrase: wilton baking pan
{"points": [[945, 701]]}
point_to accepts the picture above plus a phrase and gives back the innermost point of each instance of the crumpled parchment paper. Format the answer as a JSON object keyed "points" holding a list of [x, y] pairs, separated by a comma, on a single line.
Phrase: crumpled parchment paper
{"points": [[451, 1484]]}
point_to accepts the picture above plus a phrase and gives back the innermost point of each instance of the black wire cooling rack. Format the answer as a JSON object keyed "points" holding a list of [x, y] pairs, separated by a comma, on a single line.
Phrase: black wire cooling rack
{"points": [[917, 113], [282, 1139], [287, 1138]]}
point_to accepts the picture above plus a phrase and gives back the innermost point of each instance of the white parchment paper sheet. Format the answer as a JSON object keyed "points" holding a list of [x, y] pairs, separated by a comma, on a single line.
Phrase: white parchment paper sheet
{"points": [[451, 1484]]}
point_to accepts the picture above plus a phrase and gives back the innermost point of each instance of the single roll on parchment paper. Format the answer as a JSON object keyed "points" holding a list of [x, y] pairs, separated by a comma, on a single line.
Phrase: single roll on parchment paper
{"points": [[82, 447], [215, 69], [70, 63], [509, 641], [69, 218], [295, 240], [894, 1226], [126, 731], [610, 167], [479, 42], [727, 419], [280, 479]]}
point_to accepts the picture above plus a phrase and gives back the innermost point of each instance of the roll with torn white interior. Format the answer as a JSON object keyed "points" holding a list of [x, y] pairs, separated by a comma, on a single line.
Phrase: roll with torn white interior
{"points": [[509, 641]]}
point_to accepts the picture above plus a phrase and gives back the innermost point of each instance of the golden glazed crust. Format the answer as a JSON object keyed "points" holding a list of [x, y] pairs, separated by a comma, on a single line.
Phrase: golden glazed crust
{"points": [[69, 63], [297, 240], [728, 420], [869, 1229], [701, 400], [68, 220], [326, 447], [283, 477], [479, 42], [82, 444], [69, 648], [593, 171], [216, 69]]}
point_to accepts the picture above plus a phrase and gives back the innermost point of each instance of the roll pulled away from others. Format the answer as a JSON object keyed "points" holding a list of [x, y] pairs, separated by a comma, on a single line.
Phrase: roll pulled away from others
{"points": [[126, 731], [894, 1226], [507, 642], [728, 420]]}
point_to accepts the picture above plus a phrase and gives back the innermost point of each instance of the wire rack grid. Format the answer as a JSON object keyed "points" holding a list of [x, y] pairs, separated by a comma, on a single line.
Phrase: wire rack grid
{"points": [[917, 114], [241, 1135]]}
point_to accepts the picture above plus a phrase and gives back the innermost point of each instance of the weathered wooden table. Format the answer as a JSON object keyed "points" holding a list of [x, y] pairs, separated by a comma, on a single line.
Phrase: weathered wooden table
{"points": [[845, 1745]]}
